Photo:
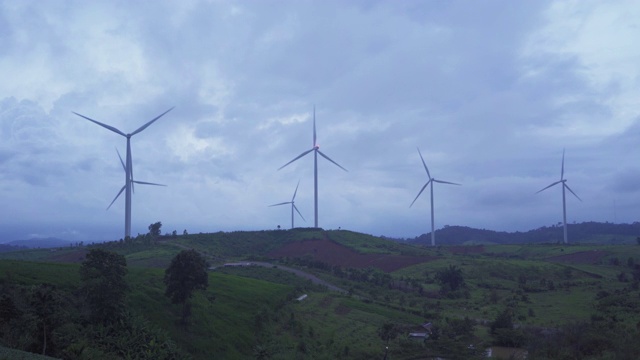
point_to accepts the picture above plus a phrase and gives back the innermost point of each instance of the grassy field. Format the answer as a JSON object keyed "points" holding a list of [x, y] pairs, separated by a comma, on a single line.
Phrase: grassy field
{"points": [[248, 310], [225, 317]]}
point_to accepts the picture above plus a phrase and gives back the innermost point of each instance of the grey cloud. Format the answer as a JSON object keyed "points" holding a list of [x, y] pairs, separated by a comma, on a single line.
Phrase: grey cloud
{"points": [[627, 181]]}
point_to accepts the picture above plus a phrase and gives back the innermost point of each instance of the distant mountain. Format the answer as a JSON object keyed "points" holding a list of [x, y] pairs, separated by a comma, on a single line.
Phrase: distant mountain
{"points": [[7, 248], [49, 242], [584, 233]]}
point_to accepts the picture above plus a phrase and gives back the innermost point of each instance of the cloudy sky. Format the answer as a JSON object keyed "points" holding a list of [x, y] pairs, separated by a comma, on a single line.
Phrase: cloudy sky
{"points": [[491, 93]]}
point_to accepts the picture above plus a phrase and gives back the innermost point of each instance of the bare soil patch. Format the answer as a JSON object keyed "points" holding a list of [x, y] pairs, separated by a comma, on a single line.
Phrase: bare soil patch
{"points": [[75, 256], [581, 257], [335, 254]]}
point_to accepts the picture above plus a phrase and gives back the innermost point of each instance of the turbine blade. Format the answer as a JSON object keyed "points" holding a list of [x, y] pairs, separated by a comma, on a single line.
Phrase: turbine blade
{"points": [[103, 125], [574, 194], [326, 157], [115, 198], [150, 122], [562, 169], [121, 162], [146, 183], [424, 163], [557, 182], [282, 203], [421, 190], [295, 192], [298, 157], [314, 126], [298, 211], [445, 182]]}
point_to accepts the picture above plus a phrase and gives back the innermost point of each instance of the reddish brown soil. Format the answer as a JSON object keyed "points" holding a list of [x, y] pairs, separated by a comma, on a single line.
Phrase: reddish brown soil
{"points": [[475, 249], [582, 257], [75, 256], [334, 254]]}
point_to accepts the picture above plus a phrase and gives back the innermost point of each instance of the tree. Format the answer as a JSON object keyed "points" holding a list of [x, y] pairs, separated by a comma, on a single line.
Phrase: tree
{"points": [[503, 331], [504, 320], [387, 332], [154, 229], [46, 306], [450, 279], [102, 275], [186, 273]]}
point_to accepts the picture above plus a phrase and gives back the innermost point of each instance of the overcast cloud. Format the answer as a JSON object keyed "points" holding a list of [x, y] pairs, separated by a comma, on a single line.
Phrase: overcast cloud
{"points": [[491, 93]]}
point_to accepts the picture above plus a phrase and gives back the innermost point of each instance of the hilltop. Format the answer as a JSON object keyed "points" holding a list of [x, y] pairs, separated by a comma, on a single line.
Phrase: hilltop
{"points": [[582, 233]]}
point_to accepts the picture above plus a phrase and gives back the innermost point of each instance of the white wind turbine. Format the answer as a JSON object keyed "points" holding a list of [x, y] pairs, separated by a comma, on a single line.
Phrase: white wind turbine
{"points": [[431, 181], [563, 181], [128, 168], [293, 205], [316, 151]]}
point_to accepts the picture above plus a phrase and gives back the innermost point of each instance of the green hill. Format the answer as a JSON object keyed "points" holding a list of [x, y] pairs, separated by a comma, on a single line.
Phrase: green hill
{"points": [[581, 233], [251, 312]]}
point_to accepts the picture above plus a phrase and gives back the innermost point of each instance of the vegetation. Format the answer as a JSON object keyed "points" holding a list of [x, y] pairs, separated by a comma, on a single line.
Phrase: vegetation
{"points": [[552, 301], [186, 273], [102, 277], [586, 233], [154, 229], [450, 280]]}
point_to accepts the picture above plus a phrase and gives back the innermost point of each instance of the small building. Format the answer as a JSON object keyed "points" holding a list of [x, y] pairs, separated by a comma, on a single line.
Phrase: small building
{"points": [[421, 332], [300, 298]]}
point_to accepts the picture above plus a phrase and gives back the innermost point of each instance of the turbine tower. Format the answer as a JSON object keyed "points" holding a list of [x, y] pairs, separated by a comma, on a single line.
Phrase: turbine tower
{"points": [[316, 151], [128, 168], [293, 205], [563, 181], [430, 182]]}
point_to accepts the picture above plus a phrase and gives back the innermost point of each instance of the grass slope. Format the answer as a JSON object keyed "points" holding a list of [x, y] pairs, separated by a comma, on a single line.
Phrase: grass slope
{"points": [[247, 309]]}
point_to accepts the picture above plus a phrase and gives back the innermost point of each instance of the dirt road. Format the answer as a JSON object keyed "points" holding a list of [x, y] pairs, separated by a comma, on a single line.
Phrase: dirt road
{"points": [[303, 274]]}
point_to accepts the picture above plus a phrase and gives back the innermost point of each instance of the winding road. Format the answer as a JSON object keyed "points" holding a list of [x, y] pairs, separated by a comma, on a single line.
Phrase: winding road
{"points": [[314, 279]]}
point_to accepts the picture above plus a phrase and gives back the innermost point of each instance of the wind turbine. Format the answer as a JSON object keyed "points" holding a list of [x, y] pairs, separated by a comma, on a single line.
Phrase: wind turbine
{"points": [[563, 181], [316, 151], [293, 205], [128, 168], [431, 181]]}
